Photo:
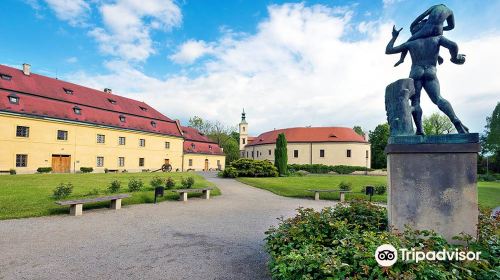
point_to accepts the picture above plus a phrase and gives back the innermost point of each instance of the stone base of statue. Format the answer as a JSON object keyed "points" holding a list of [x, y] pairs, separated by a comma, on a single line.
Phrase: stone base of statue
{"points": [[432, 183]]}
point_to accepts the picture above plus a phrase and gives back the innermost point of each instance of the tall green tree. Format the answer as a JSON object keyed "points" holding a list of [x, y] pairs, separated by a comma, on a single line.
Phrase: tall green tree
{"points": [[281, 155], [437, 124], [359, 130], [490, 141], [378, 139]]}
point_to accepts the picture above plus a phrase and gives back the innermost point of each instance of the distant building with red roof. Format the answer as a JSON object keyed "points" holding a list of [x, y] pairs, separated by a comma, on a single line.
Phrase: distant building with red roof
{"points": [[201, 153], [47, 122], [308, 145]]}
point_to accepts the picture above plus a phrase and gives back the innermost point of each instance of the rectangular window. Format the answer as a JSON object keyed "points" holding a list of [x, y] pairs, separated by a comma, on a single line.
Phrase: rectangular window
{"points": [[21, 160], [101, 138], [348, 153], [100, 161], [22, 131], [141, 161], [121, 161], [253, 154], [121, 140], [243, 141], [367, 154], [321, 153], [295, 153], [142, 142], [247, 153], [218, 162], [190, 162], [167, 145], [270, 151], [62, 135]]}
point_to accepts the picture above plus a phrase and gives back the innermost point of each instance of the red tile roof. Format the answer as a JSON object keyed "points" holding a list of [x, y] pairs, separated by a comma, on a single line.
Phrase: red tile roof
{"points": [[47, 97], [198, 143], [310, 134]]}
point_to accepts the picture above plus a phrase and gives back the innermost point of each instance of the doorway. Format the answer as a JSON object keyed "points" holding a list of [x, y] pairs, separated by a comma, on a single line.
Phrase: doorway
{"points": [[206, 165], [61, 163]]}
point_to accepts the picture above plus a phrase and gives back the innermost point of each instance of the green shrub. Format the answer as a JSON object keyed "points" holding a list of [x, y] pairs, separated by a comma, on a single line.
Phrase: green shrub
{"points": [[254, 168], [157, 182], [486, 178], [229, 172], [94, 191], [187, 183], [339, 243], [301, 173], [86, 169], [323, 169], [170, 183], [44, 169], [63, 190], [12, 172], [380, 189], [114, 186], [135, 185], [345, 186]]}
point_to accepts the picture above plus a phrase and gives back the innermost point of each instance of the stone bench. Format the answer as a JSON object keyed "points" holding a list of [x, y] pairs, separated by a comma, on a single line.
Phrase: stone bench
{"points": [[184, 192], [76, 206], [342, 193]]}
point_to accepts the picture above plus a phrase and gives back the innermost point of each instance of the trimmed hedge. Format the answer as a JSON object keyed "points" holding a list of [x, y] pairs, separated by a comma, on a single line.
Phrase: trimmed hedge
{"points": [[86, 169], [340, 243], [44, 169], [246, 167], [322, 169]]}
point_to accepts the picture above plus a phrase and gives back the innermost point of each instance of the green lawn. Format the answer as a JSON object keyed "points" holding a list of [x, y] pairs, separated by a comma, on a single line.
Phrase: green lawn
{"points": [[31, 195], [489, 192]]}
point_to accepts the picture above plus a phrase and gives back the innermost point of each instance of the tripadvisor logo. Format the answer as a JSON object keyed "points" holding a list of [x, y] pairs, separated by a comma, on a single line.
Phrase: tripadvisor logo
{"points": [[386, 255]]}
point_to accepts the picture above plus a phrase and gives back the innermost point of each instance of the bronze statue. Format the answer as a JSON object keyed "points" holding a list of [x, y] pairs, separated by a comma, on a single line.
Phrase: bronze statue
{"points": [[424, 48]]}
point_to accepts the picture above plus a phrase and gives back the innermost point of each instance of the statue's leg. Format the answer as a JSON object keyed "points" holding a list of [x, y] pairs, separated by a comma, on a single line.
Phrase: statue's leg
{"points": [[433, 90], [417, 110]]}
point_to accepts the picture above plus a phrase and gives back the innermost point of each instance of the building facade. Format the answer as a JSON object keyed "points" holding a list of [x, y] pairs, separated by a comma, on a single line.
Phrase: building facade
{"points": [[311, 145], [200, 153], [46, 122]]}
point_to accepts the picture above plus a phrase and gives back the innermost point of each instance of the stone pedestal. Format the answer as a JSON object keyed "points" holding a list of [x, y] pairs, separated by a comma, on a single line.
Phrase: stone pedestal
{"points": [[432, 183]]}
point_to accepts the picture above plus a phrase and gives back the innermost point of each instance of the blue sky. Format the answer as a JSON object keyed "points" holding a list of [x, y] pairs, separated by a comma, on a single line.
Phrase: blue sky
{"points": [[204, 51]]}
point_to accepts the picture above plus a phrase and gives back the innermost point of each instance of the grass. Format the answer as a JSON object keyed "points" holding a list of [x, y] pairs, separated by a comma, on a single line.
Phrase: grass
{"points": [[489, 192], [24, 196]]}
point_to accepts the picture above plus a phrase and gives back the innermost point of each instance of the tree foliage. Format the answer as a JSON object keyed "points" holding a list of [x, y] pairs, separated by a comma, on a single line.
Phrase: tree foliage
{"points": [[223, 135], [490, 143], [280, 154], [378, 139], [359, 130], [437, 124]]}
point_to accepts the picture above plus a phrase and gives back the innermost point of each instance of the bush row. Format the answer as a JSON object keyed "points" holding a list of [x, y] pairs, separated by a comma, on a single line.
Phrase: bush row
{"points": [[322, 169], [246, 167], [339, 243]]}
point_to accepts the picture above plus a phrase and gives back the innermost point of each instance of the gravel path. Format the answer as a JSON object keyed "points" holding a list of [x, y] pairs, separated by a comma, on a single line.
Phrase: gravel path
{"points": [[221, 238]]}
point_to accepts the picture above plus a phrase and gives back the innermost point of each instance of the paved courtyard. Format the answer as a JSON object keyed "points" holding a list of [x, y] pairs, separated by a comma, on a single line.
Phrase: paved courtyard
{"points": [[221, 238]]}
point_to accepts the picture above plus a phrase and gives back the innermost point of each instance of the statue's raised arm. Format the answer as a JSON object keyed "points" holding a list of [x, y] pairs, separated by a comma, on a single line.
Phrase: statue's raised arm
{"points": [[390, 49]]}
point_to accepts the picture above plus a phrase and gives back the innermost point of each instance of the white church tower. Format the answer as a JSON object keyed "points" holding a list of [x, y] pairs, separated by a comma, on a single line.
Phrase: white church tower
{"points": [[243, 133]]}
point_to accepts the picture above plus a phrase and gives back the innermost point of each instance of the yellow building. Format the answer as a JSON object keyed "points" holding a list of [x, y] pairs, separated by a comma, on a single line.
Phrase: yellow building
{"points": [[308, 145], [200, 153], [46, 122]]}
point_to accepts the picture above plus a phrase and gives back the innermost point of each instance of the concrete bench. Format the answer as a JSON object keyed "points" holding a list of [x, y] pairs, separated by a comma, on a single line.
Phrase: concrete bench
{"points": [[184, 192], [76, 206], [342, 193]]}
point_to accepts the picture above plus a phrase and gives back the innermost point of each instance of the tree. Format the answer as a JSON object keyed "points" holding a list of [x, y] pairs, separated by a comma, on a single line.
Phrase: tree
{"points": [[281, 155], [220, 133], [359, 130], [437, 124], [378, 139], [490, 140]]}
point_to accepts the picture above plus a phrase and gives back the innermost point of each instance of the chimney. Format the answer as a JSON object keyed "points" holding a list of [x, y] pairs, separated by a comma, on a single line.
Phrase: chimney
{"points": [[26, 69], [108, 90]]}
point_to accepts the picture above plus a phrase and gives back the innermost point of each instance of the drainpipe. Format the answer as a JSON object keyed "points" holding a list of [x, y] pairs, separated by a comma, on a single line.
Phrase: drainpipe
{"points": [[311, 153]]}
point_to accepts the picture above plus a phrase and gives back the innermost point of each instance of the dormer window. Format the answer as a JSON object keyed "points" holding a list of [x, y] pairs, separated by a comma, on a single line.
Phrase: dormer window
{"points": [[153, 123], [13, 99], [122, 118], [68, 91], [210, 147], [5, 77], [111, 101], [192, 145], [143, 108], [77, 110]]}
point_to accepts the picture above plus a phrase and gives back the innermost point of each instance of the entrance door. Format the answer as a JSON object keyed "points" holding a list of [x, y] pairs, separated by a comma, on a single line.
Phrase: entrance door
{"points": [[206, 165], [61, 163]]}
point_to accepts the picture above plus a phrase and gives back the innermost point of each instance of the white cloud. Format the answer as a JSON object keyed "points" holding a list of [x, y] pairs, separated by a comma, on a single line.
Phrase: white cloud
{"points": [[75, 12], [128, 25], [72, 59], [190, 51], [296, 70]]}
